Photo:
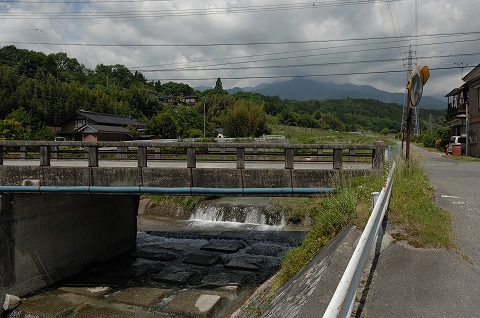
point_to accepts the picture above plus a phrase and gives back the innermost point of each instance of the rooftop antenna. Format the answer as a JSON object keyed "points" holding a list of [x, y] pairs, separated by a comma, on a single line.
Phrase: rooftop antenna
{"points": [[462, 65]]}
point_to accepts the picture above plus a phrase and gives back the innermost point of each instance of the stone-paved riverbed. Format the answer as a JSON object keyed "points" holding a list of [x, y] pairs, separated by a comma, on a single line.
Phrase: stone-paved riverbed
{"points": [[185, 272]]}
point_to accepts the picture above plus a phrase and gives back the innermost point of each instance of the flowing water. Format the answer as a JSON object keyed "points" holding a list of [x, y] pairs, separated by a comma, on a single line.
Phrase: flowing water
{"points": [[228, 247]]}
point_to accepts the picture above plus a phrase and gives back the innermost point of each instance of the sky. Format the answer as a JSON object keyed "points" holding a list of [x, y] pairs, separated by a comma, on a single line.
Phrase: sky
{"points": [[247, 42]]}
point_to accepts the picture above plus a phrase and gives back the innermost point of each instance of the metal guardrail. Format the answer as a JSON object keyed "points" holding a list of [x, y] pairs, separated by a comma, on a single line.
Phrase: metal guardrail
{"points": [[190, 152], [341, 304]]}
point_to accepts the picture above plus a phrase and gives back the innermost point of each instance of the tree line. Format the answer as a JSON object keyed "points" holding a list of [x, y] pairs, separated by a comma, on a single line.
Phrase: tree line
{"points": [[39, 90]]}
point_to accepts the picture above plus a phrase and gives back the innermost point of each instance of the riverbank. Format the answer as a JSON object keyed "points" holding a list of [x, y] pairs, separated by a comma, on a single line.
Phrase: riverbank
{"points": [[177, 270]]}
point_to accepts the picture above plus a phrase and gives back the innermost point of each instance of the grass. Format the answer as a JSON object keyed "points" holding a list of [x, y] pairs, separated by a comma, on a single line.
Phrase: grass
{"points": [[412, 209], [186, 204], [329, 214], [302, 135], [412, 205], [462, 158]]}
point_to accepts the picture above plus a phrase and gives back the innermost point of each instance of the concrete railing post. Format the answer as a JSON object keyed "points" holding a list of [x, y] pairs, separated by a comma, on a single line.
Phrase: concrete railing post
{"points": [[378, 155], [255, 153], [23, 152], [240, 158], [352, 155], [44, 155], [320, 154], [55, 152], [223, 150], [288, 158], [158, 154], [122, 152], [142, 156], [337, 158], [92, 152], [191, 157]]}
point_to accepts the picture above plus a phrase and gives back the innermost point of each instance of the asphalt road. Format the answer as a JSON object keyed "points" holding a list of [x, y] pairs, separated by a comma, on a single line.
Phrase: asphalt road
{"points": [[457, 190], [412, 282]]}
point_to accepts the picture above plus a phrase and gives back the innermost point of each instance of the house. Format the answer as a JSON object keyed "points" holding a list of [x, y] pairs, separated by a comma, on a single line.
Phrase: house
{"points": [[187, 100], [463, 112], [91, 126], [167, 99], [104, 133]]}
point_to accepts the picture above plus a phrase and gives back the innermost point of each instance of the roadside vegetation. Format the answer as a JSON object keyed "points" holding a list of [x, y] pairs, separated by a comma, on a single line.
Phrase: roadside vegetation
{"points": [[412, 210], [412, 206], [172, 205], [328, 216]]}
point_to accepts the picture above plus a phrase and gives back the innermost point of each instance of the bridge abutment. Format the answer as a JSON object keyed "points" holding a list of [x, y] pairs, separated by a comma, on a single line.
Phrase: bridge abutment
{"points": [[47, 237]]}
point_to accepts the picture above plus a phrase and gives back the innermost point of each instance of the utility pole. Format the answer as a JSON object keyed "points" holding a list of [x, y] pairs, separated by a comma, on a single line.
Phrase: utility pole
{"points": [[405, 111], [204, 117], [462, 65]]}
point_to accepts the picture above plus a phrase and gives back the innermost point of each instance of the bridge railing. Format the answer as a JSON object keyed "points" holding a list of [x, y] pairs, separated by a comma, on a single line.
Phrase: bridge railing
{"points": [[341, 304], [191, 153]]}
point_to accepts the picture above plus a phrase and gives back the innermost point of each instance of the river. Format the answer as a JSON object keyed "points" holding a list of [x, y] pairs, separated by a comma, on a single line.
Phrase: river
{"points": [[210, 257]]}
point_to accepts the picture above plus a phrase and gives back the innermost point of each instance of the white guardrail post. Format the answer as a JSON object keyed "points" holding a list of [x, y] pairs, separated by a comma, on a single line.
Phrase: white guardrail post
{"points": [[342, 301]]}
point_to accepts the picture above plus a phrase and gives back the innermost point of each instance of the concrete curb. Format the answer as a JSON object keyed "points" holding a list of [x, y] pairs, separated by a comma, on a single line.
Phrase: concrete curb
{"points": [[307, 293]]}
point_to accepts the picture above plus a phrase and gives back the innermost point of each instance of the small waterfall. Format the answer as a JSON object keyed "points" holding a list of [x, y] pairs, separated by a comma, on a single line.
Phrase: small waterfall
{"points": [[240, 213]]}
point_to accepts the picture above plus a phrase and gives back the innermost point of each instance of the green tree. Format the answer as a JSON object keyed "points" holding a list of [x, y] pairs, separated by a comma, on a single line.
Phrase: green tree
{"points": [[218, 84], [162, 125], [176, 89], [385, 131], [245, 119], [42, 132], [10, 129]]}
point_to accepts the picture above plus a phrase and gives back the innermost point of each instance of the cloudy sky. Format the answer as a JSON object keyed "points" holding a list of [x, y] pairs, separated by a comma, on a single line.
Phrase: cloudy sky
{"points": [[247, 42]]}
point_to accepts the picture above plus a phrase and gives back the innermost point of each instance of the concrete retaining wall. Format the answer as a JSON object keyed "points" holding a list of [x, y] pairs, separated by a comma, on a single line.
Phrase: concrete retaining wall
{"points": [[176, 177], [47, 237]]}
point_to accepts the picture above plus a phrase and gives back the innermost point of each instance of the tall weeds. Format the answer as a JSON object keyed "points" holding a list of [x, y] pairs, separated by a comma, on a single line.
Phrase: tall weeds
{"points": [[330, 216], [412, 205]]}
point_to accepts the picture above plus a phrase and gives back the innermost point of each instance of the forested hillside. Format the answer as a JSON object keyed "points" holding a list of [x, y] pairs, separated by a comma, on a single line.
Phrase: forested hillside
{"points": [[39, 90]]}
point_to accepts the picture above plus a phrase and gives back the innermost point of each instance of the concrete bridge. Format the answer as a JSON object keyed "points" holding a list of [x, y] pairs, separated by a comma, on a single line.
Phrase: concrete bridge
{"points": [[116, 166], [66, 206]]}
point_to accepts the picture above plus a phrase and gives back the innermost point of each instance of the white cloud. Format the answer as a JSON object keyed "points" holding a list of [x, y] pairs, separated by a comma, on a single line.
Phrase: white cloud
{"points": [[322, 39]]}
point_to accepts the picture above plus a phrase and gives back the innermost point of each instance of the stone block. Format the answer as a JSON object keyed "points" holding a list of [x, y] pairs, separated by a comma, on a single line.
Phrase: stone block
{"points": [[224, 246], [104, 312], [45, 308], [201, 259], [175, 276], [245, 263], [193, 304], [142, 296], [87, 291], [159, 256]]}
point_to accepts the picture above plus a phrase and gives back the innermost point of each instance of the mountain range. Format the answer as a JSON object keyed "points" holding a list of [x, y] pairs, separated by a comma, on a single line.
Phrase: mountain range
{"points": [[299, 88]]}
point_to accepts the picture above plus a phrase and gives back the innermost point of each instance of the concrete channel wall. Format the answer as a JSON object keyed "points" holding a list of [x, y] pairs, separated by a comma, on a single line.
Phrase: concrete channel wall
{"points": [[48, 237], [174, 177]]}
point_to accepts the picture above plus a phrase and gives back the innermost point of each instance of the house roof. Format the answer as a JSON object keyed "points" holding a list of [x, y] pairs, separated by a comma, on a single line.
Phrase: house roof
{"points": [[473, 74], [103, 119], [104, 129], [456, 91], [108, 119]]}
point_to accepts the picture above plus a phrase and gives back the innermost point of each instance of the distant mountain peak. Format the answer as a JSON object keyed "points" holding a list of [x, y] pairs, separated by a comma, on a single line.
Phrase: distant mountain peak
{"points": [[301, 88]]}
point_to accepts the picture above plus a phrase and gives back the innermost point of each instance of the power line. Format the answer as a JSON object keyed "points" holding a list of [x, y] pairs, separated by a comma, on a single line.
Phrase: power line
{"points": [[186, 12], [405, 38], [79, 2], [290, 76], [51, 36], [300, 65]]}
